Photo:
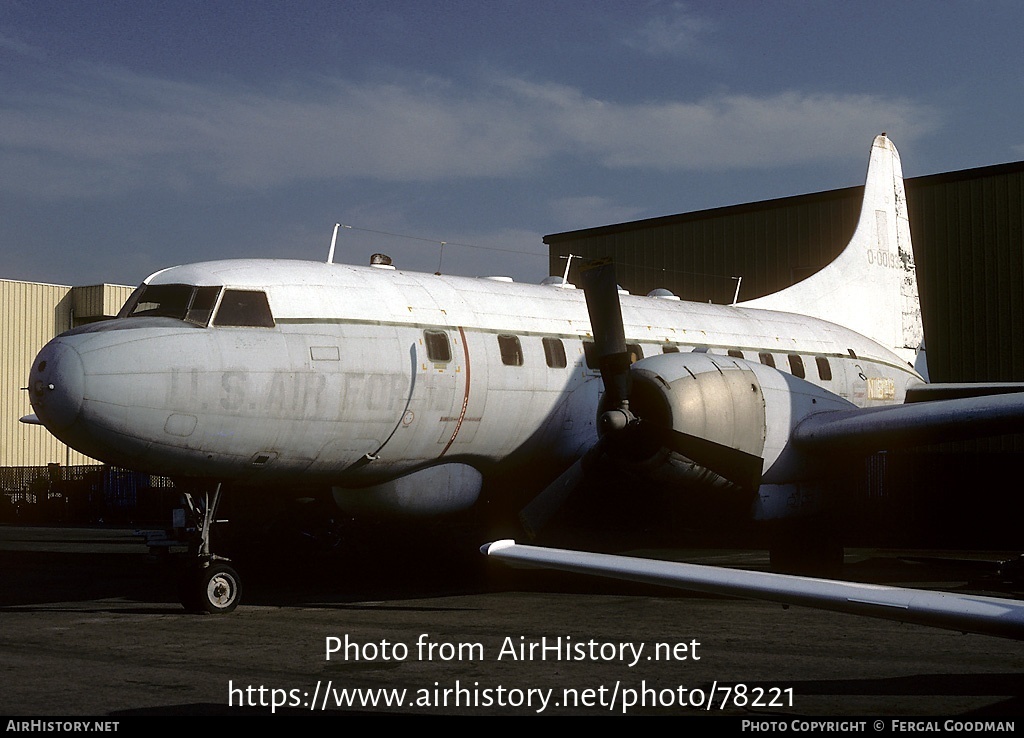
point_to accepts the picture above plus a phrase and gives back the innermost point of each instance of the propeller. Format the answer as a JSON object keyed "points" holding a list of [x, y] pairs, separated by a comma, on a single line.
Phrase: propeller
{"points": [[620, 429], [602, 294]]}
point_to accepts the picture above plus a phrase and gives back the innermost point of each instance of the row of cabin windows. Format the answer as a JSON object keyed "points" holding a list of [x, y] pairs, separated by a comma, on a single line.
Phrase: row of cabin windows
{"points": [[796, 365], [439, 350], [511, 350], [796, 362]]}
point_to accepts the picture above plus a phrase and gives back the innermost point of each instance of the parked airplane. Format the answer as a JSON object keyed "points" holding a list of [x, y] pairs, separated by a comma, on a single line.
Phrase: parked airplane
{"points": [[995, 616], [417, 393]]}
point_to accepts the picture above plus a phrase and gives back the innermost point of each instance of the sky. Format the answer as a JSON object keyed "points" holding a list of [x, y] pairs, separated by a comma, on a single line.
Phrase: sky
{"points": [[136, 136]]}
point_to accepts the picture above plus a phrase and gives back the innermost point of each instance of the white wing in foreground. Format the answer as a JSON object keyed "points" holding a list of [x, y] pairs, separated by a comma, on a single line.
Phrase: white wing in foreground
{"points": [[968, 613]]}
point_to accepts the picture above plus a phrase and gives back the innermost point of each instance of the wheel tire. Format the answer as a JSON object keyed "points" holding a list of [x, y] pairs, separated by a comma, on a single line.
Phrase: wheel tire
{"points": [[215, 589]]}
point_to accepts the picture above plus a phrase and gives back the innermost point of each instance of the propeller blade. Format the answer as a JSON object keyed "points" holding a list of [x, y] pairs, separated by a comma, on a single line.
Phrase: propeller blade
{"points": [[602, 294], [542, 508], [739, 467]]}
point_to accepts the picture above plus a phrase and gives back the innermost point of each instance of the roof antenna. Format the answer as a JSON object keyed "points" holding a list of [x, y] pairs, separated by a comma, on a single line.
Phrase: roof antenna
{"points": [[568, 261], [736, 295], [334, 240], [440, 258]]}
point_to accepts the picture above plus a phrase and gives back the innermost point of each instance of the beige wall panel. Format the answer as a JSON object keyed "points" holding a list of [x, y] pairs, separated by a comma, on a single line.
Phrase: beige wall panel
{"points": [[114, 298], [32, 315], [99, 301]]}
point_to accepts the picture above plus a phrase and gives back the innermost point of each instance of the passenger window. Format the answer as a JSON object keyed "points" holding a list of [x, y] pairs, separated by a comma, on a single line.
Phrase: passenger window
{"points": [[767, 359], [439, 350], [736, 353], [824, 370], [244, 308], [635, 352], [511, 350], [796, 366], [554, 353], [666, 349]]}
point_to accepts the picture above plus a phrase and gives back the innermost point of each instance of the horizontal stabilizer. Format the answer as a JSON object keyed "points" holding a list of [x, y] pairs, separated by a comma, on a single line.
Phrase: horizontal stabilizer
{"points": [[967, 613], [32, 419], [919, 423]]}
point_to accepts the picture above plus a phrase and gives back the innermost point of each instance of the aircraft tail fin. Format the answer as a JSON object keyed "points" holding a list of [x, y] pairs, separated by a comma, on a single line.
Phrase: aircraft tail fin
{"points": [[871, 287]]}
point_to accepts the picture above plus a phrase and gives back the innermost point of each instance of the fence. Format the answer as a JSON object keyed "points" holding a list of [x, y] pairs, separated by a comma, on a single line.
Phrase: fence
{"points": [[82, 494]]}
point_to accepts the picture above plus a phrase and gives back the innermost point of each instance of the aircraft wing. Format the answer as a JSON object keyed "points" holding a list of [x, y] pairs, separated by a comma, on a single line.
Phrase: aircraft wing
{"points": [[951, 390], [912, 424], [967, 613]]}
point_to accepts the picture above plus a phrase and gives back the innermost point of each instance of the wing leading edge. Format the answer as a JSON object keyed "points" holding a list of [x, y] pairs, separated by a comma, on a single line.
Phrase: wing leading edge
{"points": [[915, 423], [967, 613]]}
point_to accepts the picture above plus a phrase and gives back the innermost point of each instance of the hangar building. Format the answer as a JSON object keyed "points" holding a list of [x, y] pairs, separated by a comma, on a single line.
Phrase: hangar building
{"points": [[41, 479]]}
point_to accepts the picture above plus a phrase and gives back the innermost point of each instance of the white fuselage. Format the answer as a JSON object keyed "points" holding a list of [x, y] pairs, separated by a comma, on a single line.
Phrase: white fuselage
{"points": [[353, 384]]}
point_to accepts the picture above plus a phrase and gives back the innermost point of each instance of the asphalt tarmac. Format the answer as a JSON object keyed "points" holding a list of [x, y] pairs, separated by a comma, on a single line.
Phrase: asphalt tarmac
{"points": [[91, 627]]}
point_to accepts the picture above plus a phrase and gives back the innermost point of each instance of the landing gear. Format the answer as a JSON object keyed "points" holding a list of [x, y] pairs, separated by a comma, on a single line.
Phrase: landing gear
{"points": [[208, 584]]}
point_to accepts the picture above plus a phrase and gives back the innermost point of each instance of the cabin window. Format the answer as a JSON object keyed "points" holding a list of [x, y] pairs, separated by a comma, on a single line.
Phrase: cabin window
{"points": [[824, 369], [736, 353], [244, 308], [635, 352], [767, 359], [666, 349], [796, 366], [439, 350], [511, 350], [554, 353]]}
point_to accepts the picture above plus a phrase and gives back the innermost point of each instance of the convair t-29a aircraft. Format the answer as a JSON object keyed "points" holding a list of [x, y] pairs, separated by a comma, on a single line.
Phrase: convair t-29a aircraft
{"points": [[414, 393]]}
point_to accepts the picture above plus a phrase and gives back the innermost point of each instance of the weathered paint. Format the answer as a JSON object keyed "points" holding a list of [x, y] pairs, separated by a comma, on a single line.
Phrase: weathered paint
{"points": [[340, 388]]}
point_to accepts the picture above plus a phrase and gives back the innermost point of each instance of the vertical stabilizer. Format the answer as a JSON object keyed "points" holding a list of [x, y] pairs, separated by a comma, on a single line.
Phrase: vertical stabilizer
{"points": [[871, 287]]}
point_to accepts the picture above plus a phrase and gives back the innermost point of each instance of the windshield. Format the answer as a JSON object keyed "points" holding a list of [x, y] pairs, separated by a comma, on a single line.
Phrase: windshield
{"points": [[179, 301]]}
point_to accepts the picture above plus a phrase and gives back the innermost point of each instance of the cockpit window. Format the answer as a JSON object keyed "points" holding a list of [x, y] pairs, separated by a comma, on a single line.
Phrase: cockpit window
{"points": [[244, 308], [178, 301], [203, 301]]}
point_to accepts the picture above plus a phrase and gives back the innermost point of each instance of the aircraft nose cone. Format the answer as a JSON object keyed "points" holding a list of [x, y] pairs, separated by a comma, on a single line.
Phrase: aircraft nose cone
{"points": [[56, 385]]}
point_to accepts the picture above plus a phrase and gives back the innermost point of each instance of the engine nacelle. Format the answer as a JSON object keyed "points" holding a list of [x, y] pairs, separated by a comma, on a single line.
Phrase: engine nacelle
{"points": [[730, 402]]}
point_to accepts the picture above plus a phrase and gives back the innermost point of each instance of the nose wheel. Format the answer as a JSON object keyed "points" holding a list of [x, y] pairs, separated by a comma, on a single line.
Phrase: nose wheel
{"points": [[208, 584]]}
